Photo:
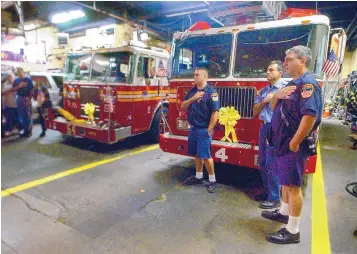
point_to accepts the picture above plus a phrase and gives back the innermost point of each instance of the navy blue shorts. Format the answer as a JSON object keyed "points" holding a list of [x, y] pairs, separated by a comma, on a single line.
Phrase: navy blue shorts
{"points": [[290, 168], [199, 143]]}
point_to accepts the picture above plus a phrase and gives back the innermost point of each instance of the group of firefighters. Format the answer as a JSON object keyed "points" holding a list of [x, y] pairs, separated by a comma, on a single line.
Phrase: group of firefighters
{"points": [[290, 112], [17, 93]]}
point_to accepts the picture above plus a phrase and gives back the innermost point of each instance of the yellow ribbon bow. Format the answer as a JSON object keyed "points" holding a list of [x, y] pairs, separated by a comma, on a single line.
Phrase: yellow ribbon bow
{"points": [[228, 117], [89, 110]]}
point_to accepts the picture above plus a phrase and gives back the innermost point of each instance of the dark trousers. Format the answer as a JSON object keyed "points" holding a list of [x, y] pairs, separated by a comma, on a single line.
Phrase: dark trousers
{"points": [[41, 119], [267, 162], [24, 114], [11, 118]]}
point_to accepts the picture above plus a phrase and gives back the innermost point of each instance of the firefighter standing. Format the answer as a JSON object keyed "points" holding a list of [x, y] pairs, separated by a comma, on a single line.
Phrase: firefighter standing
{"points": [[298, 110], [266, 152], [203, 105]]}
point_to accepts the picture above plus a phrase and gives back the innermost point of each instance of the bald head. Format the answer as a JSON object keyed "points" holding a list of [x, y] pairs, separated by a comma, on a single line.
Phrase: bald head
{"points": [[200, 76]]}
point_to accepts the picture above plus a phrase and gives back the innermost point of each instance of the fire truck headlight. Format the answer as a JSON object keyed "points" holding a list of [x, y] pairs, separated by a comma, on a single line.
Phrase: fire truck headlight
{"points": [[182, 124], [72, 95]]}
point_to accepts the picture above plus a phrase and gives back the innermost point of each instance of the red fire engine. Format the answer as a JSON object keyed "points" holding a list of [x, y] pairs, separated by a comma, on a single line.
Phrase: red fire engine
{"points": [[126, 89], [237, 58]]}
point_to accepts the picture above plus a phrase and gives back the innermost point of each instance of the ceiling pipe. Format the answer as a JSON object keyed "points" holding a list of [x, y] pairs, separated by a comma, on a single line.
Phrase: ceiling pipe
{"points": [[351, 24], [217, 21], [20, 12], [121, 19]]}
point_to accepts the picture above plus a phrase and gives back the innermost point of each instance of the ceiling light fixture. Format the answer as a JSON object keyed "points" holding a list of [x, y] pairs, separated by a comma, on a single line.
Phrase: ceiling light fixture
{"points": [[67, 16]]}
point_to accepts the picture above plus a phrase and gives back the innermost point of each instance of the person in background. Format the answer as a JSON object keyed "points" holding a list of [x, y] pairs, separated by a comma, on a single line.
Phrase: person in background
{"points": [[10, 107], [60, 94], [23, 87], [203, 110], [266, 152], [45, 104]]}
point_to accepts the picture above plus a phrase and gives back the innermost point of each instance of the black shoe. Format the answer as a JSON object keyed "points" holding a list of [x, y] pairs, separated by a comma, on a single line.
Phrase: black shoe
{"points": [[261, 197], [275, 216], [211, 187], [194, 181], [283, 236], [269, 204], [42, 134], [26, 135]]}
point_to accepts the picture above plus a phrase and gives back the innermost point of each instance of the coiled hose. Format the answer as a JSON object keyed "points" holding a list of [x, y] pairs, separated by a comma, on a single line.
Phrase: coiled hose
{"points": [[351, 188]]}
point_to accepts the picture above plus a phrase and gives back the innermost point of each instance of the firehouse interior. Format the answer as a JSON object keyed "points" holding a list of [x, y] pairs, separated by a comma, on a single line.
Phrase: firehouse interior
{"points": [[179, 127]]}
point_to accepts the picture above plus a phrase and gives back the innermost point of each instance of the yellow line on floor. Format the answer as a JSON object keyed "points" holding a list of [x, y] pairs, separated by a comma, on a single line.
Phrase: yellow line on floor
{"points": [[320, 239], [72, 171]]}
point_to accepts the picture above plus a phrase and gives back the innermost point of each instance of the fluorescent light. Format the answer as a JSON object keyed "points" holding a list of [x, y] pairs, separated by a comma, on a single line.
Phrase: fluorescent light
{"points": [[184, 13], [67, 16]]}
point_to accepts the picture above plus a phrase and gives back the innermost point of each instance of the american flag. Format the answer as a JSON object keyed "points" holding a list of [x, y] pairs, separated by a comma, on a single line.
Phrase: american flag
{"points": [[161, 70], [331, 66]]}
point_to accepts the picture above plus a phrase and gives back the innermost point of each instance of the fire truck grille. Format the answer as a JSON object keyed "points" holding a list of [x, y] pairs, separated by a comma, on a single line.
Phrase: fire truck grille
{"points": [[90, 95], [241, 98]]}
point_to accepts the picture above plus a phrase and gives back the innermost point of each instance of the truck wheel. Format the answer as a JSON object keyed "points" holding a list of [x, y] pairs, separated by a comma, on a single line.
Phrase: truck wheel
{"points": [[154, 132]]}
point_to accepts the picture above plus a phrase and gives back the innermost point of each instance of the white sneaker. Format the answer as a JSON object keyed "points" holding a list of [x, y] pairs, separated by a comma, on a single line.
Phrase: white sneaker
{"points": [[15, 131], [22, 132], [7, 134]]}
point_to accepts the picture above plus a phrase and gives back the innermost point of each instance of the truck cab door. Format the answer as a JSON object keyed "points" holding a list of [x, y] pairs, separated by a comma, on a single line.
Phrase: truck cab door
{"points": [[142, 111]]}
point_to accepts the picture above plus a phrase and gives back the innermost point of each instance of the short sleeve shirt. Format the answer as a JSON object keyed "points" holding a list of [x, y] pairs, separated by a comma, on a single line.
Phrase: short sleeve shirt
{"points": [[25, 91], [305, 100], [267, 113], [199, 112]]}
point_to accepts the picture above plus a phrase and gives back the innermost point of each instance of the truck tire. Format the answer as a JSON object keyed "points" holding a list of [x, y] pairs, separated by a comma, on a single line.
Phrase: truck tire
{"points": [[154, 132]]}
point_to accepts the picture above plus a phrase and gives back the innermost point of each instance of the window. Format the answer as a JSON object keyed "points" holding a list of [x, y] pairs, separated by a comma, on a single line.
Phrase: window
{"points": [[256, 49], [58, 80], [40, 81], [78, 67], [112, 67], [212, 52], [146, 67]]}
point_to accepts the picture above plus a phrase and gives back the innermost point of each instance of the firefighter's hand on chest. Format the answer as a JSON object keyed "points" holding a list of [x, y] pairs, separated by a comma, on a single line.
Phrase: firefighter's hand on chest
{"points": [[268, 98], [198, 96], [285, 92]]}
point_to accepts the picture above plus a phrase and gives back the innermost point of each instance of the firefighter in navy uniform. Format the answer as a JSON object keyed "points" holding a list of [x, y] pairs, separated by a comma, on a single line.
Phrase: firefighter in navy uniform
{"points": [[203, 110], [297, 112]]}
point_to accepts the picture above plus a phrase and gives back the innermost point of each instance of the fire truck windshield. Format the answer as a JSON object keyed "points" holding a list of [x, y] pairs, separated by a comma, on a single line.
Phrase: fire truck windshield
{"points": [[256, 48], [112, 67], [78, 67], [212, 52]]}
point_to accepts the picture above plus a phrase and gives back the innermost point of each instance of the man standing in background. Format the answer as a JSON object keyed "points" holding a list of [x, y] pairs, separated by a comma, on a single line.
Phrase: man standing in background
{"points": [[271, 197]]}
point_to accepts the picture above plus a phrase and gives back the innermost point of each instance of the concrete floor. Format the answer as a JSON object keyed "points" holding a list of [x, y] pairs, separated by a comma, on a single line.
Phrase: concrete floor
{"points": [[138, 204]]}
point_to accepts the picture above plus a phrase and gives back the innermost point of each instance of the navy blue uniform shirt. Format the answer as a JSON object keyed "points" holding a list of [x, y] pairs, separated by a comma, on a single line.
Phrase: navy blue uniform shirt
{"points": [[25, 91], [199, 112], [305, 100]]}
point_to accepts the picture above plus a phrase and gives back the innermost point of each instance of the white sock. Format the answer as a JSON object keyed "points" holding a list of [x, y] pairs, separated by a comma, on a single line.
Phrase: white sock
{"points": [[284, 208], [293, 224], [199, 175], [212, 178]]}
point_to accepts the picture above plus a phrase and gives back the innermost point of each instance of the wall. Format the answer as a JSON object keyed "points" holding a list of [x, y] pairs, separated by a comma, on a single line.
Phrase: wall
{"points": [[123, 32], [77, 42], [354, 60]]}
